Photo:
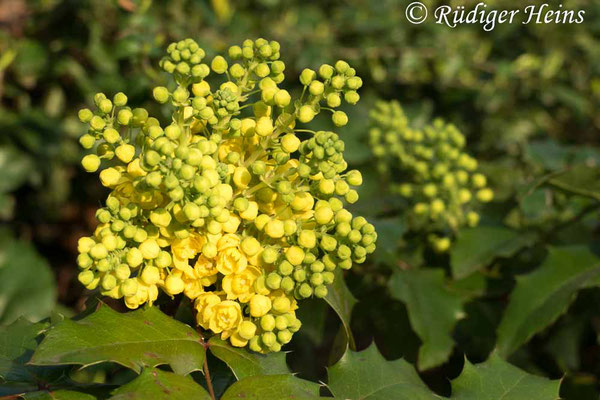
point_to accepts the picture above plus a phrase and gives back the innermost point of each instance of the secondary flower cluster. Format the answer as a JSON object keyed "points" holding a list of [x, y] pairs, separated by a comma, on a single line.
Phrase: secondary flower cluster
{"points": [[430, 170], [228, 203]]}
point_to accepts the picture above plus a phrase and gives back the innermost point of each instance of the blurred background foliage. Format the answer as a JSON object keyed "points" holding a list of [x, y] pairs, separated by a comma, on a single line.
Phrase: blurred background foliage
{"points": [[525, 96]]}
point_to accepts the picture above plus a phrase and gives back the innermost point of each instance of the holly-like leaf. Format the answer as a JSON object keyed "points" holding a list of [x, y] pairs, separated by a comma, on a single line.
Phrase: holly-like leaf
{"points": [[272, 387], [433, 311], [142, 338], [542, 296], [158, 385], [496, 379], [27, 286], [366, 375], [389, 237], [57, 395], [477, 247], [581, 179], [341, 299], [15, 168], [17, 342], [245, 363]]}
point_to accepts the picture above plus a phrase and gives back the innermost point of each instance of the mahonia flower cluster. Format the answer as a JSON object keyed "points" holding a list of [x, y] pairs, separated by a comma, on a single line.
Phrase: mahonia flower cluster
{"points": [[430, 170], [228, 203]]}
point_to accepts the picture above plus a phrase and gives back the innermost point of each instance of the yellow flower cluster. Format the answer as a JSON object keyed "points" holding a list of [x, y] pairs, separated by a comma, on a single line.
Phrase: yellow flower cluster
{"points": [[431, 171], [228, 202]]}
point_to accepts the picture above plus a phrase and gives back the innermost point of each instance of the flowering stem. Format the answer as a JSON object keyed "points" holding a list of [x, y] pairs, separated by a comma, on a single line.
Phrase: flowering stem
{"points": [[206, 371], [209, 385]]}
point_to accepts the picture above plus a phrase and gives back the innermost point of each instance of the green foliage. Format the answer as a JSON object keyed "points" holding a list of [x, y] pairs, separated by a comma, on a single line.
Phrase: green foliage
{"points": [[342, 301], [433, 311], [497, 379], [542, 296], [157, 384], [143, 338], [27, 286], [244, 364], [272, 387], [478, 247], [367, 375], [524, 282]]}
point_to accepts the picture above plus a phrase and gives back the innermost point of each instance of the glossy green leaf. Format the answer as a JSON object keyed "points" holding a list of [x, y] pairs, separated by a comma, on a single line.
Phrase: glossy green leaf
{"points": [[27, 286], [540, 297], [158, 385], [272, 387], [366, 375], [496, 379], [389, 237], [581, 180], [142, 338], [17, 342], [433, 311], [15, 167], [61, 394], [245, 363], [477, 247], [341, 299]]}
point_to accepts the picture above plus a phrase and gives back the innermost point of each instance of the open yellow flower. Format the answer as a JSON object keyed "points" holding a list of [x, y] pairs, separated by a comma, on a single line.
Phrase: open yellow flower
{"points": [[231, 261], [241, 285], [224, 317], [203, 305]]}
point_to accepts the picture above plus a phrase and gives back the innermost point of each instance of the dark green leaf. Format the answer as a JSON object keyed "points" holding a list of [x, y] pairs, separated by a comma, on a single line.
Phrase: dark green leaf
{"points": [[342, 301], [542, 296], [580, 180], [57, 395], [245, 363], [157, 385], [433, 311], [367, 375], [142, 338], [496, 379], [477, 247], [15, 167], [272, 387], [389, 237], [17, 342], [27, 286]]}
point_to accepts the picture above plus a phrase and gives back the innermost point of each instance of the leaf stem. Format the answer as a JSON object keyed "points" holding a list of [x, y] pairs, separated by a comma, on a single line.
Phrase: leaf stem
{"points": [[205, 369], [209, 385]]}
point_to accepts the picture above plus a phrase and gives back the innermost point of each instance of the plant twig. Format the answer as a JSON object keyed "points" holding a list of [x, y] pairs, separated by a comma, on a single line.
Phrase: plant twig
{"points": [[211, 390]]}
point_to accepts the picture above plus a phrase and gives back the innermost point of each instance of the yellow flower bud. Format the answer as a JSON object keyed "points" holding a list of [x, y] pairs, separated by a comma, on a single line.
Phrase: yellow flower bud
{"points": [[248, 125], [295, 255], [479, 180], [150, 249], [250, 246], [290, 143], [485, 195], [251, 212], [174, 284], [150, 275], [264, 126], [241, 177], [91, 162], [201, 89], [110, 177], [85, 244], [125, 152], [464, 196], [160, 217], [323, 215], [259, 305], [275, 229], [247, 330]]}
